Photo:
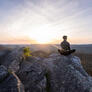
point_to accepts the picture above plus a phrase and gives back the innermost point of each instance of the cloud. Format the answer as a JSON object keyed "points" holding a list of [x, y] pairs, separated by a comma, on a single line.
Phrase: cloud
{"points": [[60, 17]]}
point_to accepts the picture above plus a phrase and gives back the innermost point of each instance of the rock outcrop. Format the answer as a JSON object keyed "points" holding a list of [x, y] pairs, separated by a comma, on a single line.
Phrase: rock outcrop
{"points": [[53, 74], [32, 74], [13, 59], [66, 74], [9, 82]]}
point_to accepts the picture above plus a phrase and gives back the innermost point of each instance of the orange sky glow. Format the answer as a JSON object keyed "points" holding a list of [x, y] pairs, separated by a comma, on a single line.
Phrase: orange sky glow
{"points": [[46, 21]]}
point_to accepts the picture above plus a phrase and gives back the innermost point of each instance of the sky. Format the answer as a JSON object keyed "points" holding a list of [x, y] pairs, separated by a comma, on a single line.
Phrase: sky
{"points": [[45, 21]]}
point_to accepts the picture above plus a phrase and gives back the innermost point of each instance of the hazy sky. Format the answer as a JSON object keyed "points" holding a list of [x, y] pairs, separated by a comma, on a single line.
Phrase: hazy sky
{"points": [[45, 21]]}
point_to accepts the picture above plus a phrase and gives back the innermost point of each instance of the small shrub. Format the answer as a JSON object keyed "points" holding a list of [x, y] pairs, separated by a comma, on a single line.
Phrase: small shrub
{"points": [[26, 52], [10, 71]]}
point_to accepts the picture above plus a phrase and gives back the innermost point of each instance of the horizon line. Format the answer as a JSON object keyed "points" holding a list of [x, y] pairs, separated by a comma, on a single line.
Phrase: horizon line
{"points": [[42, 44]]}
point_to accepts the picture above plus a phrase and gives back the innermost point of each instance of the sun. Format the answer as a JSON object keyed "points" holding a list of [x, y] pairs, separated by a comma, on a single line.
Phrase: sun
{"points": [[42, 41], [42, 35]]}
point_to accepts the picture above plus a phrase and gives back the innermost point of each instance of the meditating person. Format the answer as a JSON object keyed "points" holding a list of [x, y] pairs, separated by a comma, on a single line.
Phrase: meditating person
{"points": [[65, 47]]}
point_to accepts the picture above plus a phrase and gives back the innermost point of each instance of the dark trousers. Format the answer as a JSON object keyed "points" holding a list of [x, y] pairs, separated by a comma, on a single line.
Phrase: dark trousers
{"points": [[62, 52]]}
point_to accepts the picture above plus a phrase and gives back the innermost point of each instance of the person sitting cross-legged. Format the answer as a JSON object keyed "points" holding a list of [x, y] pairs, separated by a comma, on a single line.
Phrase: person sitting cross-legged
{"points": [[65, 45]]}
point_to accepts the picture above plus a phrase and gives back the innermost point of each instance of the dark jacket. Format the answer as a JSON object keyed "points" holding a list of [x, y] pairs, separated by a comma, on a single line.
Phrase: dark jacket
{"points": [[65, 45]]}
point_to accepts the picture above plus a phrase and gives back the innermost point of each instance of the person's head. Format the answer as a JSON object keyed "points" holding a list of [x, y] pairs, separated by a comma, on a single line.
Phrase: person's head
{"points": [[65, 37]]}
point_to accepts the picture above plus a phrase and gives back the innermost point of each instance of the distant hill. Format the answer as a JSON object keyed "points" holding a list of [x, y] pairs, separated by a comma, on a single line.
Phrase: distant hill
{"points": [[51, 47], [87, 49]]}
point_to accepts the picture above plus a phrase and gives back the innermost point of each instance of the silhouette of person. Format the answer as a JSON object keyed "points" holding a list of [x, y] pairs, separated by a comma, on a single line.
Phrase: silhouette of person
{"points": [[65, 45]]}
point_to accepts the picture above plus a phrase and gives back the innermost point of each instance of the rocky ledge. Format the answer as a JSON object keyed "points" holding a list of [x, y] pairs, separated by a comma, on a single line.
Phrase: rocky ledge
{"points": [[53, 74], [9, 82]]}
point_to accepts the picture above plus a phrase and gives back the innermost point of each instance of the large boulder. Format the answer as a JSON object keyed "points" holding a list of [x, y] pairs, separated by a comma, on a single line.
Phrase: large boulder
{"points": [[53, 74], [13, 59], [66, 74], [9, 82], [30, 71], [32, 74]]}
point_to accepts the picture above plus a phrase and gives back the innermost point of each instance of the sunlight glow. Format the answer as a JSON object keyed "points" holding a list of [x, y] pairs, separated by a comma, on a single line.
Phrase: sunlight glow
{"points": [[42, 34], [46, 21]]}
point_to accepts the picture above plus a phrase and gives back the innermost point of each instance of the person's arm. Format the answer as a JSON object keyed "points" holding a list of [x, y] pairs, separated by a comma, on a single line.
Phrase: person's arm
{"points": [[61, 45], [69, 46]]}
